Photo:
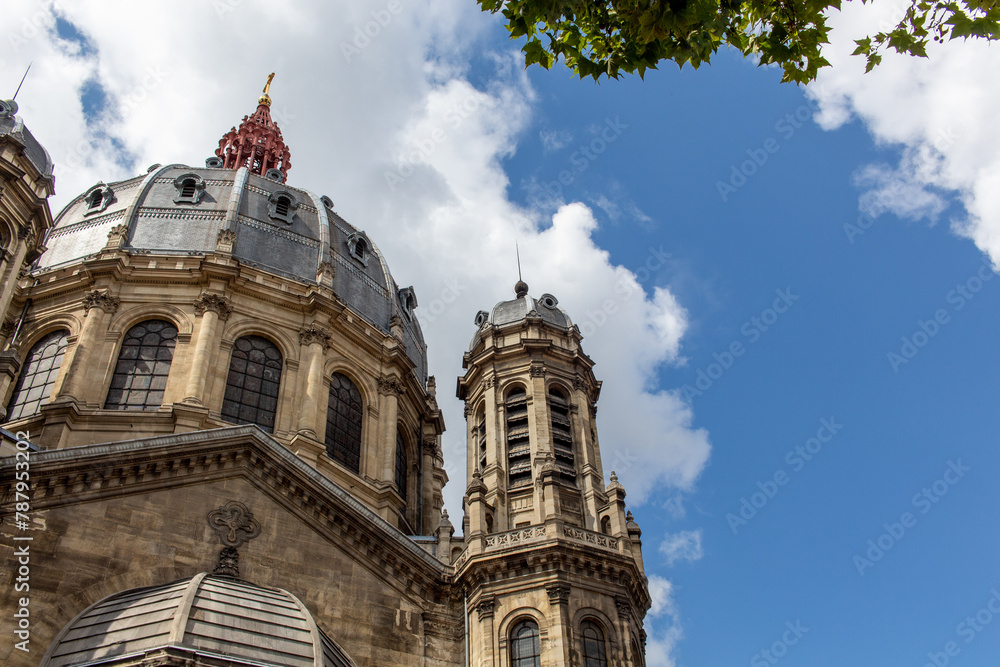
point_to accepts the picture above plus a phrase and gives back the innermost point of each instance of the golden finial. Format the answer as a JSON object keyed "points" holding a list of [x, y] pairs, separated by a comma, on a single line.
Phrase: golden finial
{"points": [[265, 99]]}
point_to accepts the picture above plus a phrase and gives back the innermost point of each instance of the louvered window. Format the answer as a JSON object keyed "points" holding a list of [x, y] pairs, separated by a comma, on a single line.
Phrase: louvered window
{"points": [[480, 436], [188, 189], [562, 433], [281, 208], [518, 442], [38, 375], [140, 376]]}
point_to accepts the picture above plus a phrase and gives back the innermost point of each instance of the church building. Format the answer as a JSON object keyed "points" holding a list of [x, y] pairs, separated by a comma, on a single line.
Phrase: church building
{"points": [[221, 445]]}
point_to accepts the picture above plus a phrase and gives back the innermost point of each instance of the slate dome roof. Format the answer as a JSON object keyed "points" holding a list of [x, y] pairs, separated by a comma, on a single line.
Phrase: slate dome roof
{"points": [[13, 126], [546, 308], [204, 616], [294, 241]]}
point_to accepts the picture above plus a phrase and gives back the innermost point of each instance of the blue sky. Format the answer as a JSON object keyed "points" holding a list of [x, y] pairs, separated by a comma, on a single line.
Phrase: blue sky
{"points": [[721, 193]]}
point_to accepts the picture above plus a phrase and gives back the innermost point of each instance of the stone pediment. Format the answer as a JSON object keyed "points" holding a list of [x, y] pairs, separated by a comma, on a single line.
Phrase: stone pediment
{"points": [[175, 463]]}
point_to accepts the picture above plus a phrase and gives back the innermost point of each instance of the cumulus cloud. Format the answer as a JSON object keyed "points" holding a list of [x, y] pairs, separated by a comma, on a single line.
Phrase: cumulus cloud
{"points": [[381, 114], [685, 545], [663, 627], [939, 113]]}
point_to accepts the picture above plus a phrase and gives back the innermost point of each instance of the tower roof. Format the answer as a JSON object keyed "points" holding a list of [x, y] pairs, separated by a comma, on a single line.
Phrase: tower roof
{"points": [[257, 144], [203, 616], [546, 308]]}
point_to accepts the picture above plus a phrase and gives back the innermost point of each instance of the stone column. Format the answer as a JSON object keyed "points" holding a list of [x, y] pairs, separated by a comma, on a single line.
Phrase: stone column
{"points": [[485, 607], [427, 450], [315, 340], [389, 389], [211, 308], [624, 611], [99, 305], [559, 633], [10, 367]]}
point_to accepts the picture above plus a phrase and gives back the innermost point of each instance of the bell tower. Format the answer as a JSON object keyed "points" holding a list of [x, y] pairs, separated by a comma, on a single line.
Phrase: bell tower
{"points": [[549, 549]]}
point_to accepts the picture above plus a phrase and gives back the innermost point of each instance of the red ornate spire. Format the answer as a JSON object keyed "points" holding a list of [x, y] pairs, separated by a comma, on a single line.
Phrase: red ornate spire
{"points": [[257, 145]]}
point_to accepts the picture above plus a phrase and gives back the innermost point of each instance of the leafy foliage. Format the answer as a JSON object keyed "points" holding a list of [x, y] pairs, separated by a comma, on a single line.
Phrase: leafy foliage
{"points": [[600, 38]]}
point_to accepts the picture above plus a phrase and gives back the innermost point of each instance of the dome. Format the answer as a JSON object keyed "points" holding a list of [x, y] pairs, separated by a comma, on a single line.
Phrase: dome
{"points": [[179, 210], [546, 308], [202, 617], [12, 126]]}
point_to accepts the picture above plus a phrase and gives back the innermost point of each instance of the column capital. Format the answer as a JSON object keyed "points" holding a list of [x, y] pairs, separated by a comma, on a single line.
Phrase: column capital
{"points": [[390, 385], [217, 303], [101, 299], [314, 333]]}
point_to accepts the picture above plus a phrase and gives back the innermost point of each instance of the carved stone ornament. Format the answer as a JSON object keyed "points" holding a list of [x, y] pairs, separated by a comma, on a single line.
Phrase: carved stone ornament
{"points": [[325, 273], [430, 446], [468, 410], [485, 607], [116, 235], [7, 328], [229, 563], [217, 303], [314, 333], [490, 382], [580, 384], [101, 299], [226, 240], [234, 524], [558, 593], [388, 384], [624, 606], [537, 371]]}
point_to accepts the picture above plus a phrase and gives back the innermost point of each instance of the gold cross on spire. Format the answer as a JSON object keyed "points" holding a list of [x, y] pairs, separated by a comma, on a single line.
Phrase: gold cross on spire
{"points": [[265, 99]]}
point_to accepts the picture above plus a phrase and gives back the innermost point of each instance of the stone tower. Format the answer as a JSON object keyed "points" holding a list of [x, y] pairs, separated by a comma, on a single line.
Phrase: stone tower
{"points": [[552, 560]]}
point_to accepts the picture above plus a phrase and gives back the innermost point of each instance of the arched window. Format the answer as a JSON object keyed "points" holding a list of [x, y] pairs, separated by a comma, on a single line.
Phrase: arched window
{"points": [[143, 366], [481, 436], [525, 647], [252, 386], [282, 206], [562, 433], [594, 650], [637, 657], [606, 525], [95, 199], [38, 374], [518, 442], [343, 423], [400, 464], [188, 188]]}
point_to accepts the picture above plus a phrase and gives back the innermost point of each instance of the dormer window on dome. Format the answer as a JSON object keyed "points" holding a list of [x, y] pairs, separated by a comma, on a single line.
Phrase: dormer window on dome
{"points": [[281, 205], [408, 299], [98, 199], [360, 247], [190, 188]]}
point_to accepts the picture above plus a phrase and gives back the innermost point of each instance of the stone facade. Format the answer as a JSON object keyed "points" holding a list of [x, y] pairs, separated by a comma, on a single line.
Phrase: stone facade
{"points": [[121, 367]]}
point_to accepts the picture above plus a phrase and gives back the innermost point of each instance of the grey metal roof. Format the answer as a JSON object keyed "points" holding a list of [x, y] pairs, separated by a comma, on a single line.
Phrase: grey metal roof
{"points": [[13, 127], [215, 615], [545, 308], [237, 200]]}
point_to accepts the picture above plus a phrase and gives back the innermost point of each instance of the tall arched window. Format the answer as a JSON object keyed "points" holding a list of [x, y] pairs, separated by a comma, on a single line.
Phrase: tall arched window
{"points": [[38, 374], [562, 433], [143, 366], [518, 442], [400, 464], [252, 386], [481, 436], [594, 650], [343, 423], [525, 647]]}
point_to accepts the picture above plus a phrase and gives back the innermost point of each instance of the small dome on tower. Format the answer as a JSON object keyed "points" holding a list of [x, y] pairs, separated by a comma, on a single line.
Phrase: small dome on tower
{"points": [[520, 308]]}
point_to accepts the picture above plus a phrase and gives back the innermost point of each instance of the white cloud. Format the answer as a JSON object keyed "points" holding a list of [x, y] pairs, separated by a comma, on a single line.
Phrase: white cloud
{"points": [[685, 545], [663, 627], [940, 113], [409, 150], [554, 140]]}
